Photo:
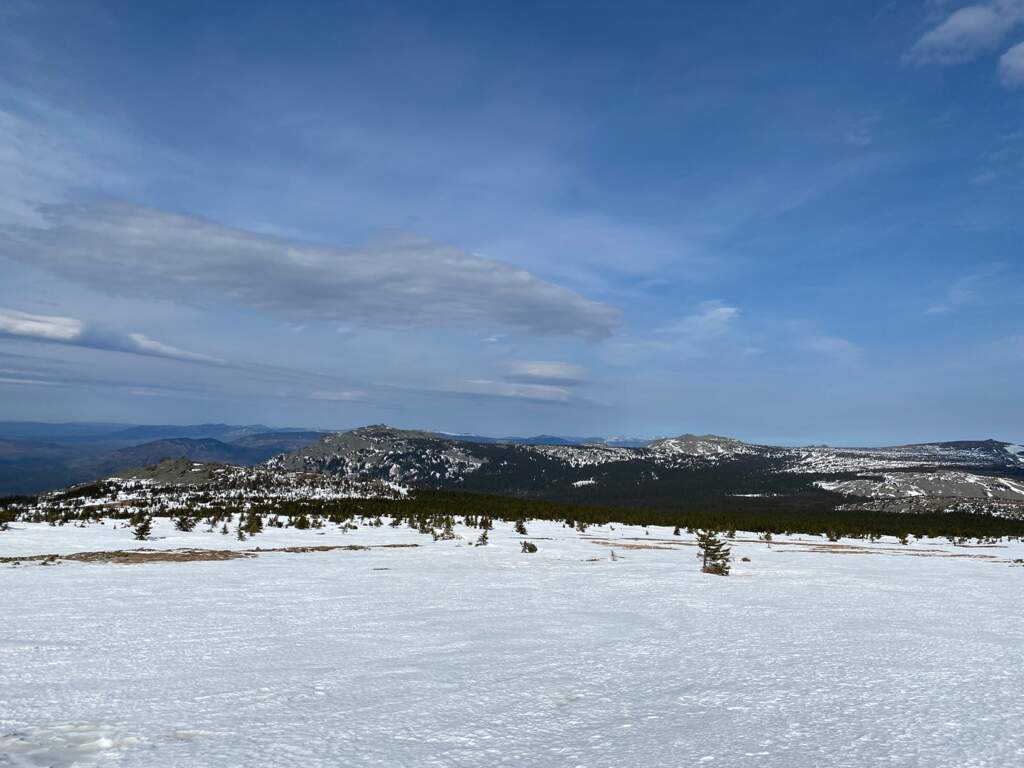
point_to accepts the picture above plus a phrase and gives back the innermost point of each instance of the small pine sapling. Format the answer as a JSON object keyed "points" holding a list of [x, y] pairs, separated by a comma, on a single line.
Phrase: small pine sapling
{"points": [[143, 528], [715, 553], [254, 524], [184, 522]]}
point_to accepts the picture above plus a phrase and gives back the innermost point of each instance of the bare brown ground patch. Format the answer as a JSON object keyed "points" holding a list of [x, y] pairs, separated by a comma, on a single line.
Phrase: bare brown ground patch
{"points": [[905, 552], [129, 556], [626, 545], [133, 556]]}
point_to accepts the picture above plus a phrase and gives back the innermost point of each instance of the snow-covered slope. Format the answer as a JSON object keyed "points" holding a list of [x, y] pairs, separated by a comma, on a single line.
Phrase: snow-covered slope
{"points": [[180, 484], [811, 654], [585, 455], [384, 453], [950, 491], [974, 453], [706, 446], [948, 484]]}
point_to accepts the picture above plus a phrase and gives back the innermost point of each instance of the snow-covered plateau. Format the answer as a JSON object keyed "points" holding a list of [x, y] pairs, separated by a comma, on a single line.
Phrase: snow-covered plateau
{"points": [[810, 654]]}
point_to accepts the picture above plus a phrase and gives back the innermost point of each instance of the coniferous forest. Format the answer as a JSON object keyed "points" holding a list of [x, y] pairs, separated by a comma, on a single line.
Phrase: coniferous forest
{"points": [[810, 514]]}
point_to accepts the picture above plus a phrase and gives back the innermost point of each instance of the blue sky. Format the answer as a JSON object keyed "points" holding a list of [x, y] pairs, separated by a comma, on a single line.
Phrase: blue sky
{"points": [[788, 224]]}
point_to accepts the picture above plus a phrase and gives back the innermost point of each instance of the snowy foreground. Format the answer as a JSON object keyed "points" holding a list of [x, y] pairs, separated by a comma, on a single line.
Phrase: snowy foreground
{"points": [[450, 655]]}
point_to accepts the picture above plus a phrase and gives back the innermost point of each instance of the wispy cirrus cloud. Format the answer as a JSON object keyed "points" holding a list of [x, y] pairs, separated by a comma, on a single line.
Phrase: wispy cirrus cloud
{"points": [[711, 320], [340, 396], [41, 162], [860, 131], [967, 290], [839, 350], [136, 251], [547, 393], [688, 338]]}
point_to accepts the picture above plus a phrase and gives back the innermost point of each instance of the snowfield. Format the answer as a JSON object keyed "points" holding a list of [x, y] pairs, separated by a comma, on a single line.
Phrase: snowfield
{"points": [[809, 655]]}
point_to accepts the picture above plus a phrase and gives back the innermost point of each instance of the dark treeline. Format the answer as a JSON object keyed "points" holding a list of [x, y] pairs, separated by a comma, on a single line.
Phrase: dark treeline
{"points": [[814, 515], [810, 514]]}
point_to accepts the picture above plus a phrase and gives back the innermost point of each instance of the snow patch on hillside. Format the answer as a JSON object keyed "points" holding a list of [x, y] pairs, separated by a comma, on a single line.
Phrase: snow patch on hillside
{"points": [[584, 455], [932, 484]]}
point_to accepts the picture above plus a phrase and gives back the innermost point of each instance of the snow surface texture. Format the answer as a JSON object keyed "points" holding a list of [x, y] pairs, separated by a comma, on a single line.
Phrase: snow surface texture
{"points": [[808, 655]]}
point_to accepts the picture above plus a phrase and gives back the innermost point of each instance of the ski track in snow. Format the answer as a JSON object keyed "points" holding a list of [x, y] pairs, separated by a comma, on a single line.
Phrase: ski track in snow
{"points": [[482, 656]]}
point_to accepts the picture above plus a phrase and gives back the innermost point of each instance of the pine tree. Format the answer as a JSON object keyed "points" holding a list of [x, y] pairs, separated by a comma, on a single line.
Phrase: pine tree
{"points": [[482, 541], [529, 546], [254, 524], [143, 528], [715, 553], [521, 527], [184, 522]]}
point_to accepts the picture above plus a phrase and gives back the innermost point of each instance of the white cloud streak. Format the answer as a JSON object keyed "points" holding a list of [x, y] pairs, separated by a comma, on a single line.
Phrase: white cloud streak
{"points": [[711, 320], [542, 392], [40, 327], [545, 372], [73, 332], [348, 396]]}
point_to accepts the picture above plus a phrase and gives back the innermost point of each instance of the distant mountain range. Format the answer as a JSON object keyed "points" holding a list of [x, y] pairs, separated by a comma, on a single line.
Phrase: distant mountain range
{"points": [[695, 470], [36, 456], [684, 470]]}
